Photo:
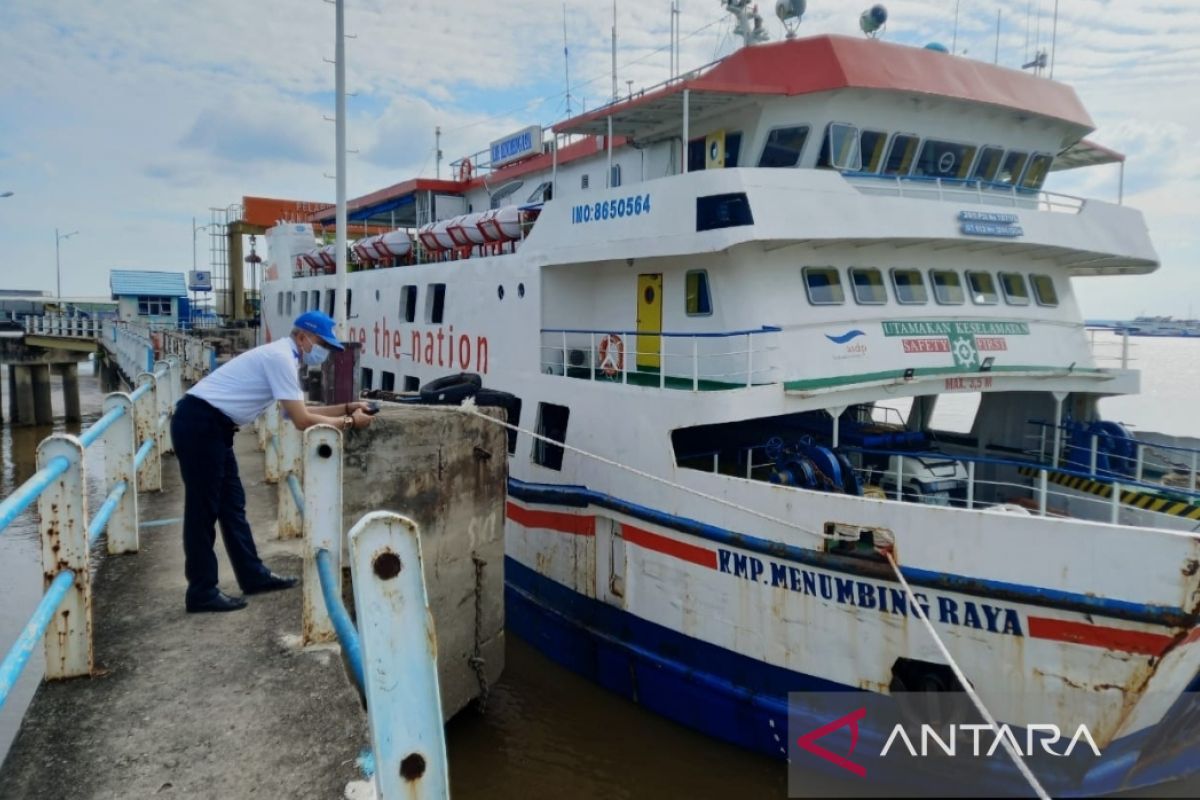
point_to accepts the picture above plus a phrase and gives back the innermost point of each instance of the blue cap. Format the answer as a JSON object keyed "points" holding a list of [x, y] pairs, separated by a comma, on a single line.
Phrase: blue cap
{"points": [[321, 324]]}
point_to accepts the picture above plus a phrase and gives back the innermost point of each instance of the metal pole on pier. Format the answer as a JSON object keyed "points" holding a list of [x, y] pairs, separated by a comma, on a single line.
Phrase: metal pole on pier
{"points": [[340, 137]]}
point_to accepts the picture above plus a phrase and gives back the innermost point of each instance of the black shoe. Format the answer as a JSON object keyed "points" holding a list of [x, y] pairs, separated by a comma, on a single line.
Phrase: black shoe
{"points": [[271, 583], [218, 602]]}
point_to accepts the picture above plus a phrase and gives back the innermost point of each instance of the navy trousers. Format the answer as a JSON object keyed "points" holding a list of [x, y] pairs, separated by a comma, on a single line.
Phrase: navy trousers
{"points": [[213, 493]]}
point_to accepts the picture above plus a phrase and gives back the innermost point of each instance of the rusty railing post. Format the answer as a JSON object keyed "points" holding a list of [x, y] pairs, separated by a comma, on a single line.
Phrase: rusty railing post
{"points": [[271, 421], [146, 412], [322, 525], [291, 465], [399, 658], [120, 445], [62, 507]]}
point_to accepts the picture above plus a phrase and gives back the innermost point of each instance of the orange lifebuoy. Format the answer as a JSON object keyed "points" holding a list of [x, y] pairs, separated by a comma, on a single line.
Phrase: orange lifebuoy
{"points": [[465, 170], [612, 354]]}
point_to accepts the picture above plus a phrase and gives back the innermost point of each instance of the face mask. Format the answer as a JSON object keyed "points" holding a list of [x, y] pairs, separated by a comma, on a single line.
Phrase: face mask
{"points": [[316, 356]]}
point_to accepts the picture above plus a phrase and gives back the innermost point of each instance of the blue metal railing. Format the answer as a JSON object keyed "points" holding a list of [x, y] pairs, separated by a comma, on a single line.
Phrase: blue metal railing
{"points": [[297, 494], [22, 498], [346, 632]]}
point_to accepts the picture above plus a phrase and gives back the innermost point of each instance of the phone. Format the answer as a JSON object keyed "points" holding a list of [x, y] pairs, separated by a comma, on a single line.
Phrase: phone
{"points": [[373, 408]]}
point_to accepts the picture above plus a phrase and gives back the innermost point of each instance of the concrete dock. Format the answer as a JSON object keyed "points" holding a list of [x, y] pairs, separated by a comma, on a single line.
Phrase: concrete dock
{"points": [[193, 705]]}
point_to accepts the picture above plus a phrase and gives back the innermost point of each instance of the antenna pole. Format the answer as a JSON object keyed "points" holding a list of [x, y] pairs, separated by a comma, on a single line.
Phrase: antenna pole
{"points": [[1054, 39], [614, 53], [954, 39], [566, 60], [437, 138], [339, 306], [996, 59]]}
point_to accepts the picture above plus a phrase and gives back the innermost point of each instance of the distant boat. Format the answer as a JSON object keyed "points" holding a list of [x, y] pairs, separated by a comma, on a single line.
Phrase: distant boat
{"points": [[1161, 326]]}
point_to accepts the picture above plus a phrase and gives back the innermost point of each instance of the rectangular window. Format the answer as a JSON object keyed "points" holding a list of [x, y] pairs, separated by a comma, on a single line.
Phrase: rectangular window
{"points": [[389, 381], [910, 287], [983, 288], [699, 302], [900, 155], [871, 144], [614, 178], [551, 423], [839, 150], [349, 302], [303, 302], [408, 303], [1044, 291], [733, 149], [947, 287], [329, 301], [988, 165], [279, 305], [824, 286], [583, 181], [867, 283], [315, 302], [1016, 293], [368, 379], [412, 383], [154, 306], [1012, 167], [515, 421], [291, 296], [435, 302], [783, 147], [1035, 176], [944, 159], [697, 151]]}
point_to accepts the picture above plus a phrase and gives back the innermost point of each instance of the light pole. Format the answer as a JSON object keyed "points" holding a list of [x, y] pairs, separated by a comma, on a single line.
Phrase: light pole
{"points": [[195, 229], [58, 237]]}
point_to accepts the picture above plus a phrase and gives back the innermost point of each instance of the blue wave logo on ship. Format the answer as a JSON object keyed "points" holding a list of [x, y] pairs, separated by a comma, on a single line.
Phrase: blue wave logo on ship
{"points": [[845, 337]]}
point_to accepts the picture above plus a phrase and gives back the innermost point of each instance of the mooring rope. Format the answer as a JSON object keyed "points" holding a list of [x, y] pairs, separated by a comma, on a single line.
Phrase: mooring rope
{"points": [[468, 406]]}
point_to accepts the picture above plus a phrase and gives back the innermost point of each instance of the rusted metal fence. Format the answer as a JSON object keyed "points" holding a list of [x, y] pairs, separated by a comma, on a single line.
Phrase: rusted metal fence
{"points": [[392, 651], [134, 431]]}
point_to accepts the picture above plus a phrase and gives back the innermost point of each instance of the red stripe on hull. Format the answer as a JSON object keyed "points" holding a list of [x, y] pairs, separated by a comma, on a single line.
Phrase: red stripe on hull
{"points": [[672, 547], [577, 524], [1150, 644]]}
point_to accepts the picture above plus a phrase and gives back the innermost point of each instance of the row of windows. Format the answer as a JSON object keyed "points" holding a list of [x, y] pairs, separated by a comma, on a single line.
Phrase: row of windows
{"points": [[435, 302], [850, 148], [824, 287], [154, 306]]}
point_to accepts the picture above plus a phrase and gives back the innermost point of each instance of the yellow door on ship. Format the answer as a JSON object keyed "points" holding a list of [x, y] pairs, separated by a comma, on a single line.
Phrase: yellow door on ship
{"points": [[649, 321]]}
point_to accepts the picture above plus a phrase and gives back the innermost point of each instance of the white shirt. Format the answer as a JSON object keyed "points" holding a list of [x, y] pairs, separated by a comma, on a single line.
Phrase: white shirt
{"points": [[245, 386]]}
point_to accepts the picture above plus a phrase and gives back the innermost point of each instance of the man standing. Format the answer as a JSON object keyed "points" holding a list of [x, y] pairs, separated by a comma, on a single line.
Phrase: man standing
{"points": [[202, 432]]}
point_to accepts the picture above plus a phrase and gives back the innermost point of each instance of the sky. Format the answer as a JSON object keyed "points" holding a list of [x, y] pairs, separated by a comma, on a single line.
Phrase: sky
{"points": [[124, 120]]}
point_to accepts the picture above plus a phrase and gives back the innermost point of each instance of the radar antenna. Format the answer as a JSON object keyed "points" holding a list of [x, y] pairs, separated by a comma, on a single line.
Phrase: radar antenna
{"points": [[789, 13], [749, 21]]}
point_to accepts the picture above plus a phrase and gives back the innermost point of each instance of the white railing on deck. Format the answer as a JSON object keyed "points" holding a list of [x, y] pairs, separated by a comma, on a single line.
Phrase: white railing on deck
{"points": [[964, 191], [689, 361]]}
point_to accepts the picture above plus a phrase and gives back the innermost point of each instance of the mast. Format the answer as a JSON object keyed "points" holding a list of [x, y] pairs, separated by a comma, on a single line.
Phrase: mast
{"points": [[614, 53], [339, 299]]}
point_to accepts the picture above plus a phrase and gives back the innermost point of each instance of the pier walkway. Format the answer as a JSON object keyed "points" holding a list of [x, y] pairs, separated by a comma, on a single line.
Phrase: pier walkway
{"points": [[193, 705]]}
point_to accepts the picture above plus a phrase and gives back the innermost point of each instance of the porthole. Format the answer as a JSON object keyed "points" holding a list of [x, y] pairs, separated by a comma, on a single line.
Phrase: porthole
{"points": [[376, 295], [520, 290], [500, 292]]}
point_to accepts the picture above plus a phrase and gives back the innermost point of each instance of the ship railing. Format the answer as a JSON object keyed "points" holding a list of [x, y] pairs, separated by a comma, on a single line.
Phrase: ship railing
{"points": [[134, 432], [1040, 494], [397, 680], [66, 326], [708, 361], [1177, 466], [1102, 351], [964, 190], [136, 348]]}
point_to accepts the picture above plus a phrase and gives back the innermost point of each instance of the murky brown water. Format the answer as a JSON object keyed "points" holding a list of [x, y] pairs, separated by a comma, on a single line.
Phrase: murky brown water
{"points": [[547, 732]]}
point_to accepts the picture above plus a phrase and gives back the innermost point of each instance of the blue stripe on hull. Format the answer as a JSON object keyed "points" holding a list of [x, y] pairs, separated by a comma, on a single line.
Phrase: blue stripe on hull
{"points": [[704, 687]]}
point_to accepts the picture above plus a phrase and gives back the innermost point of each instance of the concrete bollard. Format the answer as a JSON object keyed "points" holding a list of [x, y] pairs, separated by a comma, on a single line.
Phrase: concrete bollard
{"points": [[291, 463], [399, 658], [62, 507], [120, 444], [322, 525], [145, 408]]}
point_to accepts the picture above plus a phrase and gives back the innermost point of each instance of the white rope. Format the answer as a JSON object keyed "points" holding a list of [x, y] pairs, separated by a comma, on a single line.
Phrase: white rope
{"points": [[962, 679], [469, 407]]}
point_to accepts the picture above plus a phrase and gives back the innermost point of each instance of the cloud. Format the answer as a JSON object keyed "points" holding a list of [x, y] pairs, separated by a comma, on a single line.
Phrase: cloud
{"points": [[241, 131]]}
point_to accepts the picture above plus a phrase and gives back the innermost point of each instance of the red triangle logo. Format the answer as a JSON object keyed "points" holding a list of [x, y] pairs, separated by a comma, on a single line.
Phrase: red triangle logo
{"points": [[808, 741]]}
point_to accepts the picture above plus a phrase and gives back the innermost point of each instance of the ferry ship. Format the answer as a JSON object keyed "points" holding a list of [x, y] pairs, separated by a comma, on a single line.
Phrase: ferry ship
{"points": [[713, 292], [1162, 326]]}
